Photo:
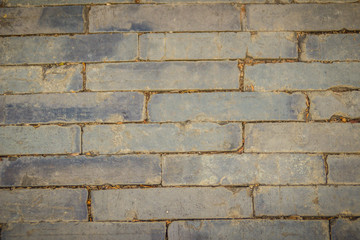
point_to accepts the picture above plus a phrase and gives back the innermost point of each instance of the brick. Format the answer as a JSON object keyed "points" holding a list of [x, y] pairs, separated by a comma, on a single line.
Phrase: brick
{"points": [[326, 104], [291, 17], [344, 169], [324, 1], [163, 76], [157, 18], [60, 2], [243, 169], [74, 107], [302, 137], [172, 203], [329, 47], [249, 229], [17, 21], [161, 138], [80, 170], [300, 76], [228, 106], [345, 229], [85, 230], [43, 205], [43, 140], [78, 48]]}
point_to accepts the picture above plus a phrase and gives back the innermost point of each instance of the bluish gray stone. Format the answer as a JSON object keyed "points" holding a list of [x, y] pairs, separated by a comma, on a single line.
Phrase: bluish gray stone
{"points": [[344, 229], [59, 2], [343, 169]]}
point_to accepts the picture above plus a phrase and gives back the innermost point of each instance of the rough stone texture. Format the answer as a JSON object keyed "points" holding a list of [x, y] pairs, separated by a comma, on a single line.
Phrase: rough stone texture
{"points": [[301, 76], [344, 169], [78, 48], [295, 17], [59, 2], [43, 205], [344, 229], [152, 18], [17, 21], [171, 203], [42, 140], [182, 137], [243, 169], [302, 137], [229, 106], [249, 230], [80, 170], [163, 76]]}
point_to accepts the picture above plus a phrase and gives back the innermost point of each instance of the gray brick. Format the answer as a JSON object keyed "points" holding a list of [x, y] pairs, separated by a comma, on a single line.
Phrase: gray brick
{"points": [[302, 137], [80, 170], [43, 205], [74, 107], [326, 104], [66, 19], [43, 140], [291, 17], [180, 137], [249, 229], [228, 106], [344, 169], [163, 76], [60, 2], [243, 169], [344, 229], [78, 48], [301, 76], [331, 47], [156, 18], [171, 203]]}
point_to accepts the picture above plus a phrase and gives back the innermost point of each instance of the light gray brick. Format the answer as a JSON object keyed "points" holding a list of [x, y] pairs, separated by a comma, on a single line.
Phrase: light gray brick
{"points": [[80, 170], [59, 2], [43, 205], [163, 76], [78, 48], [228, 106], [344, 169], [43, 140], [344, 229], [302, 137], [291, 17], [301, 76], [180, 137], [152, 46], [171, 203]]}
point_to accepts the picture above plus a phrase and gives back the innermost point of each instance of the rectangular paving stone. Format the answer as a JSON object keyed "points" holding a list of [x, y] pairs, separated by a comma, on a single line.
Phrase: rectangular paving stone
{"points": [[301, 76], [182, 137], [302, 137], [59, 2], [344, 169], [345, 229], [80, 170], [78, 48], [43, 205], [228, 106], [157, 18], [163, 76], [171, 203], [264, 17], [74, 107], [249, 229], [242, 169], [42, 140], [65, 19]]}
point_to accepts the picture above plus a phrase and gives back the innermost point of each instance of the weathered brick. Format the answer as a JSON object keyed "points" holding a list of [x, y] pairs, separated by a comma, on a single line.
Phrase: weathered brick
{"points": [[42, 140], [59, 2], [329, 47], [243, 169], [228, 106], [171, 203], [249, 229], [74, 107], [80, 170], [301, 76], [163, 76], [156, 18], [180, 137], [344, 229], [43, 205], [78, 48], [302, 137], [66, 19], [324, 17], [344, 169]]}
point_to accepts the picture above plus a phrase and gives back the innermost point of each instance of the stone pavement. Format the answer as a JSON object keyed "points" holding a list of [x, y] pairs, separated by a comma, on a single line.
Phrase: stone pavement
{"points": [[180, 119]]}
